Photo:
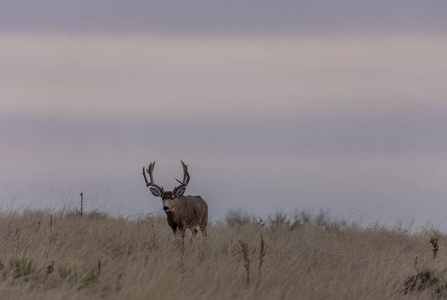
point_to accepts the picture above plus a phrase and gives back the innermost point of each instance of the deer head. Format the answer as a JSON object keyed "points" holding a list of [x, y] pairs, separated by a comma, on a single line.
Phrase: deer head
{"points": [[167, 196]]}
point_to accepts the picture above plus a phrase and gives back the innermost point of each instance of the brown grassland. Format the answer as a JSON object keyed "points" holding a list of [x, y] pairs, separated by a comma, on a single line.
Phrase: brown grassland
{"points": [[68, 256]]}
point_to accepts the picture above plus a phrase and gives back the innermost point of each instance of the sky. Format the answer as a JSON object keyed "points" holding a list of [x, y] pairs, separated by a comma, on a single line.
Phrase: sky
{"points": [[275, 106]]}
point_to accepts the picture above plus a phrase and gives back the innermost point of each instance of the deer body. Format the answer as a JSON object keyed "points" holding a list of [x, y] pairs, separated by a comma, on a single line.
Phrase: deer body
{"points": [[188, 212], [182, 212]]}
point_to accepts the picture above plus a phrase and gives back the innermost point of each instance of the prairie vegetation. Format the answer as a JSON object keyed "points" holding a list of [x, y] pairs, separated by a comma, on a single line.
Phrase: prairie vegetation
{"points": [[91, 256]]}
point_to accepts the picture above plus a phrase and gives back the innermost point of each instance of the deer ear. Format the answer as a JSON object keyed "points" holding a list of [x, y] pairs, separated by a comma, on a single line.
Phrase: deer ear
{"points": [[180, 192], [156, 192]]}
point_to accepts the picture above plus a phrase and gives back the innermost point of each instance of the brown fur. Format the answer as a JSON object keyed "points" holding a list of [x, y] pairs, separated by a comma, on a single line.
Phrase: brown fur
{"points": [[188, 212]]}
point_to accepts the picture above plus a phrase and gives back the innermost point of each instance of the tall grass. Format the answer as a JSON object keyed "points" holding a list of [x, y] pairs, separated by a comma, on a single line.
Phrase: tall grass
{"points": [[69, 256]]}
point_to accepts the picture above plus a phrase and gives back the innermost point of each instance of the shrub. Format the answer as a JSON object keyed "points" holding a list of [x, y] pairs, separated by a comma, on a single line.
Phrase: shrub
{"points": [[237, 217], [22, 268]]}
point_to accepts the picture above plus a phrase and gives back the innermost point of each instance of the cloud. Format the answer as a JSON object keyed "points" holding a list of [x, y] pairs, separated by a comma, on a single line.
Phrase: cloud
{"points": [[216, 80], [228, 17]]}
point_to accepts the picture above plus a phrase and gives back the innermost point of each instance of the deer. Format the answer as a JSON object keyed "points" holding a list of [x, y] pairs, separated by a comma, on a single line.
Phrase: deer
{"points": [[182, 212]]}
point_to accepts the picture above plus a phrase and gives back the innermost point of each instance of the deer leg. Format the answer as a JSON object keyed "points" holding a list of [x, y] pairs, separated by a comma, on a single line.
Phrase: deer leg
{"points": [[194, 233], [183, 232], [203, 229]]}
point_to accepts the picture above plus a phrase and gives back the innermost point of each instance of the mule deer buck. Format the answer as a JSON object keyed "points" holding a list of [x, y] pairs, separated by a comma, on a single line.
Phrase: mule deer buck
{"points": [[181, 211]]}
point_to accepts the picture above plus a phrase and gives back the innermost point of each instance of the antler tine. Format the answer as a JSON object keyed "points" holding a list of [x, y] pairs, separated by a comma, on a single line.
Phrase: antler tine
{"points": [[185, 176], [145, 178], [185, 173], [150, 170]]}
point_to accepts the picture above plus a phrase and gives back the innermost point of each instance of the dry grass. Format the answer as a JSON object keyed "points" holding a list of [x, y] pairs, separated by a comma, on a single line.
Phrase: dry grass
{"points": [[68, 256]]}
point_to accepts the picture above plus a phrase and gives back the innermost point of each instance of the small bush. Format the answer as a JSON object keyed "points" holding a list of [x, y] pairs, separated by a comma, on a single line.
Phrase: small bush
{"points": [[22, 268], [279, 219], [97, 215], [75, 275], [69, 274], [425, 279], [238, 217], [90, 277]]}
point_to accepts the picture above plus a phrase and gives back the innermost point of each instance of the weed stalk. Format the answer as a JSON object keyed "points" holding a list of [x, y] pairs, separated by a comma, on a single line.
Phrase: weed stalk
{"points": [[244, 248], [434, 243], [82, 203], [261, 259]]}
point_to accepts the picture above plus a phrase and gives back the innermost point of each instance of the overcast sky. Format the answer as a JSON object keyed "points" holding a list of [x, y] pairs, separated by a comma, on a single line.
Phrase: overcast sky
{"points": [[282, 105], [217, 17]]}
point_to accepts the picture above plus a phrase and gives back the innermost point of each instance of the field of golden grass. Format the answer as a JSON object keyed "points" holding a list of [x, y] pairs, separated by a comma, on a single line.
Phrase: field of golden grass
{"points": [[69, 256]]}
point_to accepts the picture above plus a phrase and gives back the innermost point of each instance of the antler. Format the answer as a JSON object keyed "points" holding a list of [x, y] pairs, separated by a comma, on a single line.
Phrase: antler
{"points": [[185, 178], [150, 170]]}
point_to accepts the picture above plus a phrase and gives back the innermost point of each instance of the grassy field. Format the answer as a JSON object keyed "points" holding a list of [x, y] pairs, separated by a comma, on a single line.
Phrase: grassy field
{"points": [[69, 256]]}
